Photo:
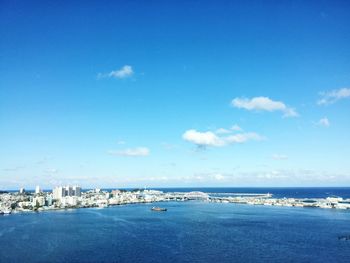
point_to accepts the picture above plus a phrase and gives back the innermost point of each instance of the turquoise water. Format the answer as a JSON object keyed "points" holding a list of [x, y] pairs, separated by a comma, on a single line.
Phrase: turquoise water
{"points": [[187, 232]]}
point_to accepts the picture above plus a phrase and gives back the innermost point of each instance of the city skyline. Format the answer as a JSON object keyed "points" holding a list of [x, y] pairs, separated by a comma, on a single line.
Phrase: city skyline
{"points": [[166, 95]]}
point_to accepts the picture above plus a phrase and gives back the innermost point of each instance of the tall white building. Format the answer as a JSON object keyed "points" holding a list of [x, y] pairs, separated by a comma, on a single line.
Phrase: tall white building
{"points": [[38, 201], [60, 192], [37, 189]]}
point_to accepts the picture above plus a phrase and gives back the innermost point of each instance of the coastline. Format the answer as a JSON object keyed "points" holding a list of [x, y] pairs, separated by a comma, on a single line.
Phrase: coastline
{"points": [[42, 202]]}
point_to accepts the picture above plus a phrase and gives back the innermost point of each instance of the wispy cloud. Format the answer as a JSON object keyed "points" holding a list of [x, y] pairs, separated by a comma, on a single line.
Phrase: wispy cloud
{"points": [[209, 138], [44, 160], [324, 122], [233, 128], [279, 156], [333, 96], [243, 137], [280, 177], [236, 128], [222, 131], [122, 73], [51, 171], [209, 177], [263, 104], [13, 169], [131, 152], [169, 146]]}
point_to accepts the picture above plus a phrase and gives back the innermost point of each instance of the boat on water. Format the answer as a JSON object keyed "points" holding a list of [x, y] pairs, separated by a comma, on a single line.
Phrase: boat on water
{"points": [[158, 209]]}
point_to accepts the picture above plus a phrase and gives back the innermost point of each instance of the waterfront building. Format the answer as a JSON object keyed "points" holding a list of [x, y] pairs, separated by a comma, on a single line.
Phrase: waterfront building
{"points": [[59, 192], [37, 189], [38, 201], [69, 191], [49, 200], [116, 192], [69, 201], [22, 190], [77, 190]]}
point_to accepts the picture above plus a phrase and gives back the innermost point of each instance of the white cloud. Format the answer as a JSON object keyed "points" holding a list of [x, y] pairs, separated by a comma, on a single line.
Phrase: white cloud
{"points": [[208, 138], [333, 96], [279, 157], [268, 177], [324, 122], [263, 104], [228, 131], [222, 131], [236, 128], [203, 138], [271, 175], [208, 177], [131, 152], [122, 73], [219, 177], [243, 137]]}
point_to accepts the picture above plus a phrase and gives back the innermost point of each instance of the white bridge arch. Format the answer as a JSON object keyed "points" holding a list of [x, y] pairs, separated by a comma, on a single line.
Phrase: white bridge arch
{"points": [[196, 196]]}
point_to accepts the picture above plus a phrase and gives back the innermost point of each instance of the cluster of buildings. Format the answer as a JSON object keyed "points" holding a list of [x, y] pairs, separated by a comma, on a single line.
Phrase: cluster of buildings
{"points": [[73, 197], [38, 200], [67, 195]]}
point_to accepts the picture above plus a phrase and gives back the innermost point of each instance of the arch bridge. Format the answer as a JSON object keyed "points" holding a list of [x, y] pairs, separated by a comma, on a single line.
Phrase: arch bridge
{"points": [[196, 196]]}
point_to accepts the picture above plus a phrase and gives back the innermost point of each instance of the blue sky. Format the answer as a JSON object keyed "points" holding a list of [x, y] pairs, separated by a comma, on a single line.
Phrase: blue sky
{"points": [[174, 93]]}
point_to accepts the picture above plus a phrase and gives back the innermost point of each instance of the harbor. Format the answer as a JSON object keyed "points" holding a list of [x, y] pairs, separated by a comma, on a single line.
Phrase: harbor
{"points": [[65, 197]]}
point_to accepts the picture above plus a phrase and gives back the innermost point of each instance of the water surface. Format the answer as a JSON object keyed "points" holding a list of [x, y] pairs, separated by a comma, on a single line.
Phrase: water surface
{"points": [[187, 232]]}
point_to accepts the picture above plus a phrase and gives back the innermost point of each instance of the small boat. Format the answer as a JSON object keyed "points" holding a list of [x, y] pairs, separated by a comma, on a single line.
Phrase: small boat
{"points": [[344, 237], [158, 209]]}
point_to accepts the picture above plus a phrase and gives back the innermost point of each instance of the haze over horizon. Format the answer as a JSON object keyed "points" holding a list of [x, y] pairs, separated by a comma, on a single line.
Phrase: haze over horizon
{"points": [[169, 93]]}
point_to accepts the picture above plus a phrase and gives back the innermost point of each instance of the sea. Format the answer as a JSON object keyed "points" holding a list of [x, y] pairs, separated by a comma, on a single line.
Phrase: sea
{"points": [[192, 231]]}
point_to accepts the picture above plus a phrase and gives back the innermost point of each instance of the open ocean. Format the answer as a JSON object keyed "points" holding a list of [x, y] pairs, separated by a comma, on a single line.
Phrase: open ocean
{"points": [[278, 192], [188, 232]]}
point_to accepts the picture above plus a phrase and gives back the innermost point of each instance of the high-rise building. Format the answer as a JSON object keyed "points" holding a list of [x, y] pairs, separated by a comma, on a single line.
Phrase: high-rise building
{"points": [[22, 191], [59, 192], [77, 190], [38, 201], [37, 189], [69, 190], [49, 199]]}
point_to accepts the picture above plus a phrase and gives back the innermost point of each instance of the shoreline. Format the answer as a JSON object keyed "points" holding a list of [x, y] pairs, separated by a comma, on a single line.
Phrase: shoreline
{"points": [[42, 202]]}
